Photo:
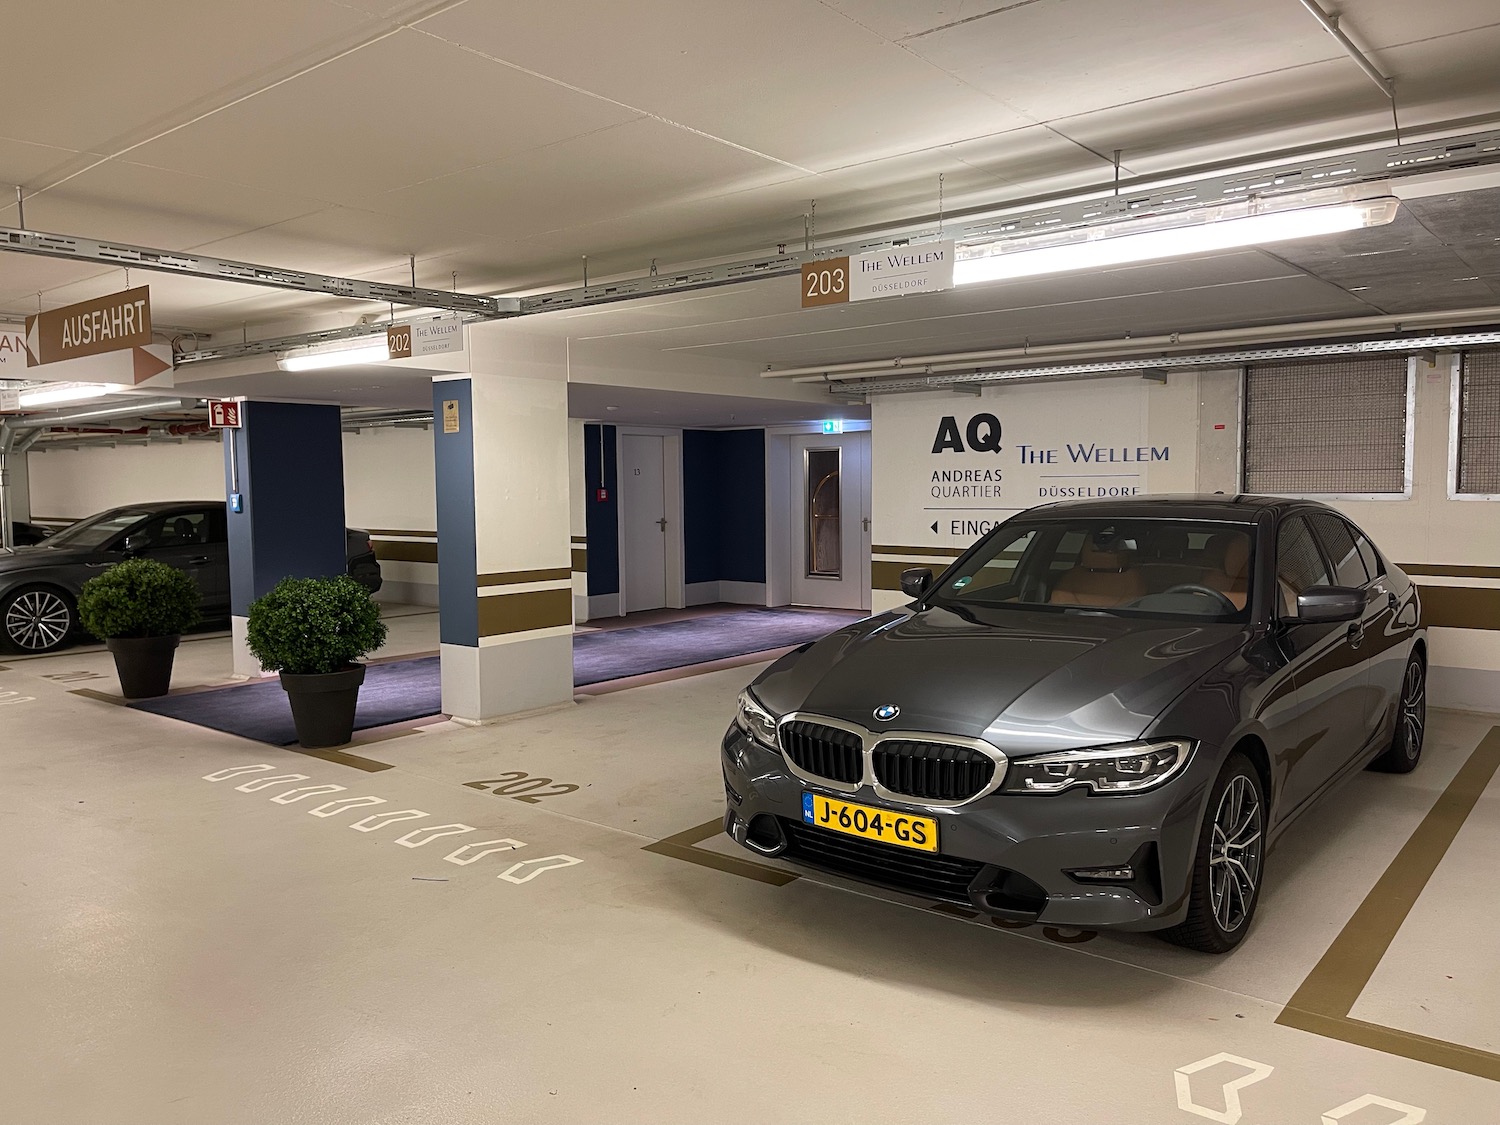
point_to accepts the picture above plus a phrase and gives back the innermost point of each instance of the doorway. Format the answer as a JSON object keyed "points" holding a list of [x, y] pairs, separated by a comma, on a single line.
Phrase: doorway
{"points": [[650, 519], [829, 510]]}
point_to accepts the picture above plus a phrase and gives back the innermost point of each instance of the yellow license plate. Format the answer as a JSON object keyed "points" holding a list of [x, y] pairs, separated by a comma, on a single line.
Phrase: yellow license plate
{"points": [[900, 829]]}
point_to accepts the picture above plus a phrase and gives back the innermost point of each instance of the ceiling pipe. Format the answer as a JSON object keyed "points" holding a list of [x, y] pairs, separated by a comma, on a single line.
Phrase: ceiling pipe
{"points": [[132, 410], [925, 364], [1330, 24]]}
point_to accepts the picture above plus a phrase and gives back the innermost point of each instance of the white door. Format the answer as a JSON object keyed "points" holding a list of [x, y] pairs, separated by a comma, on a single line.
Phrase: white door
{"points": [[830, 513], [643, 518]]}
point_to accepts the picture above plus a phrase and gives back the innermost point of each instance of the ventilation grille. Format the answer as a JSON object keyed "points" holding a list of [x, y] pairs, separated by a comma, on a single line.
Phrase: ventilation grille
{"points": [[1479, 425], [933, 771], [824, 751], [1326, 428]]}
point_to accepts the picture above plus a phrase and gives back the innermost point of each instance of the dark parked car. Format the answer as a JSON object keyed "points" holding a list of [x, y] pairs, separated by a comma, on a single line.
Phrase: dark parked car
{"points": [[28, 534], [1101, 715], [39, 584]]}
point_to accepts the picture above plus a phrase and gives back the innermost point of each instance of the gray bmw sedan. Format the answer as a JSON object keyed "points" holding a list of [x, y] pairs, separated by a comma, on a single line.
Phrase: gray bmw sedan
{"points": [[1101, 715]]}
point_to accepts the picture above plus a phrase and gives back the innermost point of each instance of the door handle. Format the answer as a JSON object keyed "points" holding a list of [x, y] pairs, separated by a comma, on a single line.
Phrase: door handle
{"points": [[662, 523], [204, 561]]}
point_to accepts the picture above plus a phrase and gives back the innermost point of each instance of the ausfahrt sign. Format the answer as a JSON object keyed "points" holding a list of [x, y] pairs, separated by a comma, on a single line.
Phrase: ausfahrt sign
{"points": [[105, 324]]}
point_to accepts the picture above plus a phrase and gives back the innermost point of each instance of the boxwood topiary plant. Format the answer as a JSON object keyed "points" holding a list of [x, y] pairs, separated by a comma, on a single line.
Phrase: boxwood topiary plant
{"points": [[313, 626], [139, 598]]}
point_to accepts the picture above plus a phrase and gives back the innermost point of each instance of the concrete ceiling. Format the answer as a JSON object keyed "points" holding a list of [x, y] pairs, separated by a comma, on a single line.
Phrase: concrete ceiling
{"points": [[503, 140]]}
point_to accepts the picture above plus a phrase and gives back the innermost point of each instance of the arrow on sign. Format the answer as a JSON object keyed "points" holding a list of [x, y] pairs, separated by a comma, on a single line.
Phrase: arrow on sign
{"points": [[934, 526]]}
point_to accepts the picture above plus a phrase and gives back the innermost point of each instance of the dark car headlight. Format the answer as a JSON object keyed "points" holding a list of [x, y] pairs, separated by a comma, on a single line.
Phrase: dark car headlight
{"points": [[755, 720], [1131, 768]]}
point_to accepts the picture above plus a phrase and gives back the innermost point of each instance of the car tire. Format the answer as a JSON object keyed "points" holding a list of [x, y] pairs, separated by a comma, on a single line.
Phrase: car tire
{"points": [[36, 619], [1405, 751], [1228, 864]]}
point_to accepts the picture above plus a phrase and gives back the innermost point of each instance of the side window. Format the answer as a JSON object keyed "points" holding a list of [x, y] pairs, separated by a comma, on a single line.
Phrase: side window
{"points": [[181, 529], [1368, 553], [1338, 541], [1066, 554], [1299, 564]]}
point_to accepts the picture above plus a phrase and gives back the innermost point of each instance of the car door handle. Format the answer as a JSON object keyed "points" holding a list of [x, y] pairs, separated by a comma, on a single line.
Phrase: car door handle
{"points": [[203, 560]]}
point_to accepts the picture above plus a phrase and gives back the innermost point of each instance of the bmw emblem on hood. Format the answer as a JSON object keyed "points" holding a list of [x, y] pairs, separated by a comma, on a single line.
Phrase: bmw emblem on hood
{"points": [[886, 712]]}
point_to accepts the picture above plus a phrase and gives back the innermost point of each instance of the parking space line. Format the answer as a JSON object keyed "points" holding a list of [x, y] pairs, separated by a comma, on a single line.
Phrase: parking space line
{"points": [[1323, 1002], [681, 846]]}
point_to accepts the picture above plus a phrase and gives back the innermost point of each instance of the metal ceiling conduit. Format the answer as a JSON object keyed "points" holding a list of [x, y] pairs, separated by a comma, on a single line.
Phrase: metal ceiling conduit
{"points": [[1410, 345], [949, 361], [981, 224]]}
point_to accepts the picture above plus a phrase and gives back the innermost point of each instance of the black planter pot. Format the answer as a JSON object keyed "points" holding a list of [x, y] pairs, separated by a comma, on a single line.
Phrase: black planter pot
{"points": [[323, 705], [144, 664]]}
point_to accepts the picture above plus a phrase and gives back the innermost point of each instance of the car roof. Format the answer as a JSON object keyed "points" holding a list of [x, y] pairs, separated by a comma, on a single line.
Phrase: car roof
{"points": [[1200, 506], [156, 507]]}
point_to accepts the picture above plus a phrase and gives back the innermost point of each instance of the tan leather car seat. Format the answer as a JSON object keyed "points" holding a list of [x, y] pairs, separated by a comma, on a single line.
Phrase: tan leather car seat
{"points": [[1230, 572], [1101, 578]]}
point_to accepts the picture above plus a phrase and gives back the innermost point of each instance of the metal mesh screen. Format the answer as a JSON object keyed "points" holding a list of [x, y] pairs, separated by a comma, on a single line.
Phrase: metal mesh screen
{"points": [[1479, 424], [1326, 428]]}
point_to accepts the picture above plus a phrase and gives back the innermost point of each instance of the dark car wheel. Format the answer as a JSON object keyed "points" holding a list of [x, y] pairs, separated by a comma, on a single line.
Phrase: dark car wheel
{"points": [[1228, 864], [1411, 722], [36, 619]]}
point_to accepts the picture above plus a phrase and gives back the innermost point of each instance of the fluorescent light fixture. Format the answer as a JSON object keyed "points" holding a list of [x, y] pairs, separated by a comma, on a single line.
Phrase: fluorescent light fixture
{"points": [[65, 392], [343, 357], [1117, 244]]}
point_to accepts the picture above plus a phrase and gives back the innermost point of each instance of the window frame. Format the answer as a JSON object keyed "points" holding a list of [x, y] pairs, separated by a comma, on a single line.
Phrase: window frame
{"points": [[1455, 432], [1407, 455]]}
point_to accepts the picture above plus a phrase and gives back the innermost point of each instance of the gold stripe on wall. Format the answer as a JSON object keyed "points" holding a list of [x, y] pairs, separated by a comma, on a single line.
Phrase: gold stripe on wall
{"points": [[1460, 607], [504, 614], [580, 561], [516, 577], [385, 531], [388, 550], [1439, 570], [924, 552]]}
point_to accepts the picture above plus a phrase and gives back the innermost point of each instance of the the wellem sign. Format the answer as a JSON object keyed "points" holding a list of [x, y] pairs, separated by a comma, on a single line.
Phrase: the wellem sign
{"points": [[105, 324]]}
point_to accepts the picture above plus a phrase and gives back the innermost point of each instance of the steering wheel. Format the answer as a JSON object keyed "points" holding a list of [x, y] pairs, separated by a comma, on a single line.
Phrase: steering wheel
{"points": [[1196, 588]]}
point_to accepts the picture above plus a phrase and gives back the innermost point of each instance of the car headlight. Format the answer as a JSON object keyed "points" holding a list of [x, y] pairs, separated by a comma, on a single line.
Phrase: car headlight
{"points": [[755, 720], [1131, 768]]}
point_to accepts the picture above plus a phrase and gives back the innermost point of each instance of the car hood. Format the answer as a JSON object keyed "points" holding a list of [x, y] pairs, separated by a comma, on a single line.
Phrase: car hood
{"points": [[27, 558], [1027, 681]]}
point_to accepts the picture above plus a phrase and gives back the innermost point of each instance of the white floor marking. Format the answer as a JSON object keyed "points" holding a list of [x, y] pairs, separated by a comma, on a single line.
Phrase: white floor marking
{"points": [[333, 808], [235, 771], [432, 832], [562, 861], [489, 847], [1231, 1113], [302, 792], [1413, 1115], [377, 821], [9, 697], [266, 782]]}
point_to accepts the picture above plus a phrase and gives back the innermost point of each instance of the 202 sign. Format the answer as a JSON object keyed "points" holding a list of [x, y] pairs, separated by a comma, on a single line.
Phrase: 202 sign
{"points": [[521, 786]]}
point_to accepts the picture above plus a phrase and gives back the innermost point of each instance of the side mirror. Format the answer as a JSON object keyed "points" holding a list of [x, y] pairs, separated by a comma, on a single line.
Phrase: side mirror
{"points": [[916, 582], [137, 542], [1330, 603]]}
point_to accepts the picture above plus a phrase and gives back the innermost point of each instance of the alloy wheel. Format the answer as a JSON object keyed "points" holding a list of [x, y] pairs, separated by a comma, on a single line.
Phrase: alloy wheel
{"points": [[1413, 709], [38, 620], [1234, 854]]}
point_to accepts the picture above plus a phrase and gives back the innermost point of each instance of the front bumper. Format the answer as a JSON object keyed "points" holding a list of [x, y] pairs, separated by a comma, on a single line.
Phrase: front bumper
{"points": [[1006, 855]]}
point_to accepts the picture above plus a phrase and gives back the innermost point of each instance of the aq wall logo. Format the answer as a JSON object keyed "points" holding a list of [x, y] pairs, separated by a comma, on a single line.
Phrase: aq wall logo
{"points": [[982, 434]]}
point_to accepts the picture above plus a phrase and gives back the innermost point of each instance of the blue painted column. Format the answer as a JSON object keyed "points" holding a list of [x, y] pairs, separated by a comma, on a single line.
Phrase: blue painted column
{"points": [[504, 545], [286, 463]]}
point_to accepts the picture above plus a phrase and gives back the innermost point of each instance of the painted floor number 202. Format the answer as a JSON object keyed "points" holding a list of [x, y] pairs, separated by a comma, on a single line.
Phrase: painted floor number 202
{"points": [[521, 786], [1251, 1072]]}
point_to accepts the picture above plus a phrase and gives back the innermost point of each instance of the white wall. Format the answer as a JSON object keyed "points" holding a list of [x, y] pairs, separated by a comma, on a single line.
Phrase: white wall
{"points": [[69, 484]]}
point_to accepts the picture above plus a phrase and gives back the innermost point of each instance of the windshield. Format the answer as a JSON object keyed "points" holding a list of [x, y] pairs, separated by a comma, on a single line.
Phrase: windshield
{"points": [[1127, 567], [96, 531]]}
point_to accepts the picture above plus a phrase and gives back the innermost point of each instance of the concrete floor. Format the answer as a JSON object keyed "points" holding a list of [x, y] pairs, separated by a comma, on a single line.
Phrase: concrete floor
{"points": [[199, 929]]}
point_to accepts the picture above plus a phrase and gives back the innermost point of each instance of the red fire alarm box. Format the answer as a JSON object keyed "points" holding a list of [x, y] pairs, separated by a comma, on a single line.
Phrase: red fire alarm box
{"points": [[601, 494]]}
